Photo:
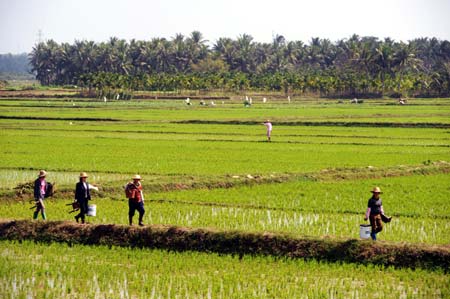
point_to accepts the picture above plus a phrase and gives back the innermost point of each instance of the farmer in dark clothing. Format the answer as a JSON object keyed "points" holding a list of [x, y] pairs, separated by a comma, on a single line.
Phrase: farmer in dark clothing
{"points": [[82, 196], [375, 213], [133, 191], [40, 189]]}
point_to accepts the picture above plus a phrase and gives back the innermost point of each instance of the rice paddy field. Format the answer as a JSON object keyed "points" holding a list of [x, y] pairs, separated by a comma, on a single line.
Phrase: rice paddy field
{"points": [[211, 167]]}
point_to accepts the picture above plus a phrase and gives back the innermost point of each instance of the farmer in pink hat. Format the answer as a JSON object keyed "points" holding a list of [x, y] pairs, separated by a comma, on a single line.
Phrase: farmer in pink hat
{"points": [[375, 213]]}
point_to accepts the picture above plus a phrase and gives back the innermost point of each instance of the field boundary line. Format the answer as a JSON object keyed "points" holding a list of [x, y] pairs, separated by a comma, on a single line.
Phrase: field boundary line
{"points": [[174, 238], [325, 123], [58, 118], [224, 134], [24, 191]]}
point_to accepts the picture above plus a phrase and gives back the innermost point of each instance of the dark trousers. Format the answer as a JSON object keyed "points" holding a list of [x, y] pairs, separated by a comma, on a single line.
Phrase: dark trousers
{"points": [[376, 223], [133, 206], [39, 208], [83, 209]]}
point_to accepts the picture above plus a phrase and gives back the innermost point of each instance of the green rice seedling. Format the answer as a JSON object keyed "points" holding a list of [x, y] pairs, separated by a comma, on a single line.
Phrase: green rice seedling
{"points": [[57, 270], [317, 172], [342, 225], [403, 196], [103, 153]]}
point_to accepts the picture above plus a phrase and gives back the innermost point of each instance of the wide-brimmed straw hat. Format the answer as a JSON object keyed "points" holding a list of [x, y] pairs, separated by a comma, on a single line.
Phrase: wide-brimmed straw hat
{"points": [[83, 175], [376, 190], [42, 173], [136, 177]]}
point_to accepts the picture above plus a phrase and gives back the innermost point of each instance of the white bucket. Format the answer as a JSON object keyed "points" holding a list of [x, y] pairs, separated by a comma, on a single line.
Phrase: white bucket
{"points": [[92, 210], [364, 231]]}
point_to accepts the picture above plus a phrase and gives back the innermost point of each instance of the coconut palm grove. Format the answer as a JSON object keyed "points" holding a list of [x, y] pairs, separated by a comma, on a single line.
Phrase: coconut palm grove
{"points": [[353, 66]]}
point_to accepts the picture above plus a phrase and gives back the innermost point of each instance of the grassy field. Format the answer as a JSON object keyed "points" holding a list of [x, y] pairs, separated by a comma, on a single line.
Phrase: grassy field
{"points": [[210, 167], [60, 271]]}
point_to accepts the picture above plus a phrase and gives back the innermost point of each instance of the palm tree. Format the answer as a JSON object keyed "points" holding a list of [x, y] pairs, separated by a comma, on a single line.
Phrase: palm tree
{"points": [[122, 58], [224, 47], [313, 53], [277, 61], [294, 54], [328, 52], [161, 55], [182, 55], [404, 60], [43, 59], [138, 55], [244, 55], [382, 59], [196, 44]]}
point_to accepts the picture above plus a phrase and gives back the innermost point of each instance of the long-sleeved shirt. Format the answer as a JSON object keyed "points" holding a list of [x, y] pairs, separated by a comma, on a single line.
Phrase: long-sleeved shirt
{"points": [[40, 187]]}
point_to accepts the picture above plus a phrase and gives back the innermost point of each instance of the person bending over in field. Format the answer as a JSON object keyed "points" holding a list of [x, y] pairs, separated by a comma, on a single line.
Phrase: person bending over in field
{"points": [[40, 189], [268, 125], [82, 195], [133, 191], [375, 213]]}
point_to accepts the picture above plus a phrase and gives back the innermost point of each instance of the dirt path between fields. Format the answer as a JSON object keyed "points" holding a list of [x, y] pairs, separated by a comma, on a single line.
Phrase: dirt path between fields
{"points": [[236, 243]]}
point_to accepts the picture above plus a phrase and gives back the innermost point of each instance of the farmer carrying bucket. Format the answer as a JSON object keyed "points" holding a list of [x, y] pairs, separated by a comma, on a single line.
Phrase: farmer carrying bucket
{"points": [[375, 214], [364, 231], [92, 210], [82, 196]]}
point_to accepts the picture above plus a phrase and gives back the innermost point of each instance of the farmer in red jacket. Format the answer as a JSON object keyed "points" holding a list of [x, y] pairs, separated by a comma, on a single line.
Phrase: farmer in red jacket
{"points": [[133, 191]]}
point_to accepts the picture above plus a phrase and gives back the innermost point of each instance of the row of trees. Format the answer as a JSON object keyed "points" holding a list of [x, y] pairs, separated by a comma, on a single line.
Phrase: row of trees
{"points": [[14, 64], [357, 65]]}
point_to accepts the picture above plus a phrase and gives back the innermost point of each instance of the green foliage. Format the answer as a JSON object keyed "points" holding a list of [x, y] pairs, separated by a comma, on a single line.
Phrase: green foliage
{"points": [[359, 66]]}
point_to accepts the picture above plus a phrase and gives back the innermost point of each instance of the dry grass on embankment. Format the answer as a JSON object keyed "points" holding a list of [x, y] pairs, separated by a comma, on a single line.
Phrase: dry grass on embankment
{"points": [[235, 243]]}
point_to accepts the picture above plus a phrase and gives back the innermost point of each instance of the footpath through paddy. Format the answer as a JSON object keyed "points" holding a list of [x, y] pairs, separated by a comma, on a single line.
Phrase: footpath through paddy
{"points": [[236, 243]]}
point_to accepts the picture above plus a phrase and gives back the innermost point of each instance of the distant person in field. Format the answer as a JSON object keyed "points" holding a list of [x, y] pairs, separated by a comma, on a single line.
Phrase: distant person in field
{"points": [[402, 101], [82, 196], [133, 191], [375, 213], [40, 190], [268, 125]]}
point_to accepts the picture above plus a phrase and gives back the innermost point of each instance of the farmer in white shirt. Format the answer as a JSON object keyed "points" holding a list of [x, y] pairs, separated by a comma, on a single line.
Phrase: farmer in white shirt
{"points": [[268, 125]]}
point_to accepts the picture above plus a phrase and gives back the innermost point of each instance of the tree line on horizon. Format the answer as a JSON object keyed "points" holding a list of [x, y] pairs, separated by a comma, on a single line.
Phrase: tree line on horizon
{"points": [[352, 66], [14, 63]]}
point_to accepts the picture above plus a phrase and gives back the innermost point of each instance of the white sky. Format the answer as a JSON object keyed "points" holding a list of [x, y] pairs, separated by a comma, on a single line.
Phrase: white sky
{"points": [[98, 20]]}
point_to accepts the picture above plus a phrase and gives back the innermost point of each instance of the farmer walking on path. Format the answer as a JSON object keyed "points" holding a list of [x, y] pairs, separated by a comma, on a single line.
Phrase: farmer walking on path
{"points": [[40, 189], [82, 196], [268, 125], [375, 213], [133, 191]]}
